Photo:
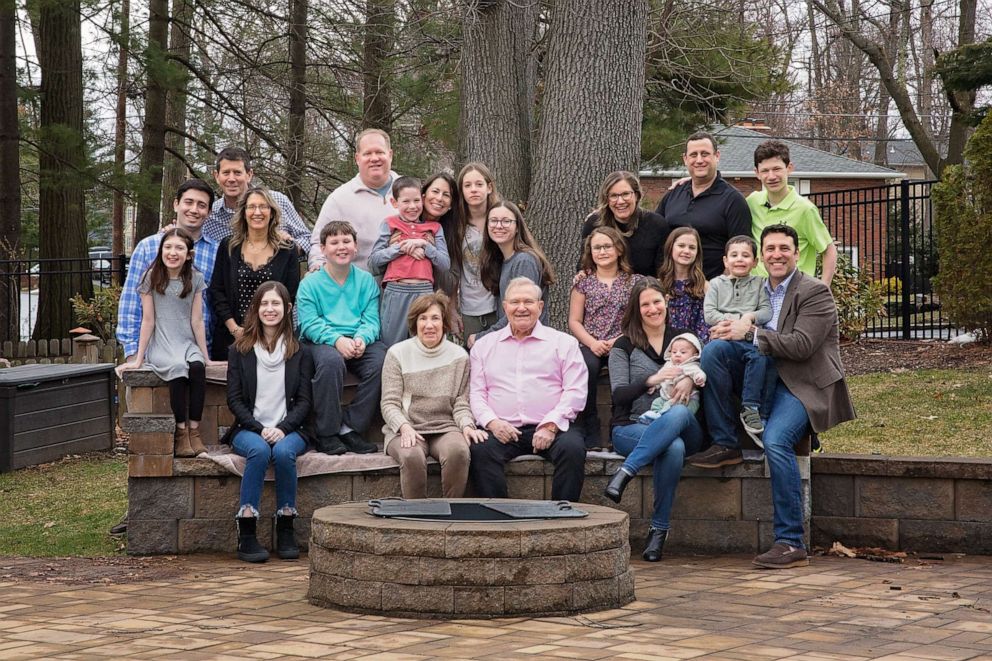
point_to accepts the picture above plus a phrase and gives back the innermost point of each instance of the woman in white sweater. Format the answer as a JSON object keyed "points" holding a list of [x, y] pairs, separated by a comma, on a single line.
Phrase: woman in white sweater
{"points": [[425, 402]]}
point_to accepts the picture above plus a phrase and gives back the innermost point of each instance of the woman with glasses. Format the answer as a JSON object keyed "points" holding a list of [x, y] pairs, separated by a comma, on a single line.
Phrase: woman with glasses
{"points": [[510, 251], [644, 231], [595, 309], [253, 254]]}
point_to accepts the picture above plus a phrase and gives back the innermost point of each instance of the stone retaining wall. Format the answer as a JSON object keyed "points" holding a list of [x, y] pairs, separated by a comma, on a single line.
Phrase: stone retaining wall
{"points": [[188, 505], [903, 503]]}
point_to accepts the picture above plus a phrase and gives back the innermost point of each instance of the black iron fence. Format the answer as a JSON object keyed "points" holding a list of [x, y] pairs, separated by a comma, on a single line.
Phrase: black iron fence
{"points": [[22, 280], [889, 231]]}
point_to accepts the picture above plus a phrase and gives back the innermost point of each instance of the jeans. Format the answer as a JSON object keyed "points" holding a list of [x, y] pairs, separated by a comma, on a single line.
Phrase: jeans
{"points": [[666, 442], [258, 453], [726, 364], [588, 420], [787, 424]]}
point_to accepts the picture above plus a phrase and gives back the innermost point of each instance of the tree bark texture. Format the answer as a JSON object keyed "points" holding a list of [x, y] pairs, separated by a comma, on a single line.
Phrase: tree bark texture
{"points": [[149, 191], [120, 129], [61, 160], [497, 93], [296, 144], [962, 103], [10, 179], [590, 123], [174, 170], [380, 21]]}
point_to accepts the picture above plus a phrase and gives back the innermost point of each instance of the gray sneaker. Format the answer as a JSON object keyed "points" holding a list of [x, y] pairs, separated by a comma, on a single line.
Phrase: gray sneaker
{"points": [[753, 425], [782, 556]]}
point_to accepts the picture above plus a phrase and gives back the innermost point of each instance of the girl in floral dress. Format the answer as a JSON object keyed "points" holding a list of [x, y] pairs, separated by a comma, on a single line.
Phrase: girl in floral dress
{"points": [[682, 279]]}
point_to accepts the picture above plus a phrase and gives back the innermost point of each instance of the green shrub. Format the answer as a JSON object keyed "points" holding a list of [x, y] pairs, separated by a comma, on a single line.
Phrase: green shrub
{"points": [[891, 286], [858, 298], [99, 313], [962, 204]]}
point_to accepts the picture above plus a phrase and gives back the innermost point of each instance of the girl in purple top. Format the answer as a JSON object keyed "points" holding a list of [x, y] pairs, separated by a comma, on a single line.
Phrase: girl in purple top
{"points": [[681, 277], [595, 310]]}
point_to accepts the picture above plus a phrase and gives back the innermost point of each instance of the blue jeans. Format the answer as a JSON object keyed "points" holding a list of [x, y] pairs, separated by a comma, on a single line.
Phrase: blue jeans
{"points": [[735, 371], [787, 424], [258, 453], [666, 442]]}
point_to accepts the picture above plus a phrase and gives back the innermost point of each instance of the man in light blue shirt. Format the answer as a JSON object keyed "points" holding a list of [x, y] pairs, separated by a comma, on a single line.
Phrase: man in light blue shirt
{"points": [[192, 205]]}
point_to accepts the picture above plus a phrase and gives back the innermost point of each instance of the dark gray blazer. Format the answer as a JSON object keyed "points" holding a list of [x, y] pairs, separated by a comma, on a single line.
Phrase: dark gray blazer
{"points": [[242, 385], [807, 354]]}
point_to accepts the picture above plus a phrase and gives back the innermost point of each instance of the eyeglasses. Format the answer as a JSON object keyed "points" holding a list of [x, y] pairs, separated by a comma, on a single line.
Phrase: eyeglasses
{"points": [[501, 222], [252, 208], [606, 247], [616, 197]]}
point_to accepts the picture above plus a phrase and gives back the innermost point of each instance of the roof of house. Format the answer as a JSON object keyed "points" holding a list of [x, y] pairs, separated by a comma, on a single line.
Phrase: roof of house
{"points": [[737, 159], [901, 152]]}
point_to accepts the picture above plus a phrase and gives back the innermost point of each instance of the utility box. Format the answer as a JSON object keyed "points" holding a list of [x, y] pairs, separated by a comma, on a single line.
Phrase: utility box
{"points": [[49, 411]]}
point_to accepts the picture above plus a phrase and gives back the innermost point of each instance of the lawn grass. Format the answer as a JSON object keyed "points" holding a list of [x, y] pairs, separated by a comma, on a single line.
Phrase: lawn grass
{"points": [[929, 413], [63, 508]]}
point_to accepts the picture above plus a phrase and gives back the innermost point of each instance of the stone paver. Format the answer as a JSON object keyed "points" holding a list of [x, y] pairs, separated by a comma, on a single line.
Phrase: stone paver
{"points": [[686, 608]]}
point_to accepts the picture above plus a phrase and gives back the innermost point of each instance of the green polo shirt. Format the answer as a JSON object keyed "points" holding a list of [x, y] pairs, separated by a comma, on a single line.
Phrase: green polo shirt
{"points": [[798, 213]]}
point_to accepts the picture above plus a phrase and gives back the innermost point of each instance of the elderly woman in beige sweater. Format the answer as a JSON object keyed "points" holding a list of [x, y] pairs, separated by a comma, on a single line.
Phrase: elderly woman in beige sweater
{"points": [[425, 402]]}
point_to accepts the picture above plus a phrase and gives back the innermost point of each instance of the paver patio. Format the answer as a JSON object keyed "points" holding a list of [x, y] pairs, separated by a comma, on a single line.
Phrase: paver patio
{"points": [[686, 608]]}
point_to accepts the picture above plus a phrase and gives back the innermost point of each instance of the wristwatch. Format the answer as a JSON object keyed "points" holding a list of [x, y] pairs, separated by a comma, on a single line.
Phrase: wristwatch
{"points": [[749, 335]]}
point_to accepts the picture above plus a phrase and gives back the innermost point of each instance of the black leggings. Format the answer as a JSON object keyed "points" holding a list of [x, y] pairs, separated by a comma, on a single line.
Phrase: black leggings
{"points": [[195, 387]]}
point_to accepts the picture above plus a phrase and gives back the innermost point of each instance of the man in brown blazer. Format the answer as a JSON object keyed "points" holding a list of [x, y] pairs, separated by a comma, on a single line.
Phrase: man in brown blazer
{"points": [[810, 392]]}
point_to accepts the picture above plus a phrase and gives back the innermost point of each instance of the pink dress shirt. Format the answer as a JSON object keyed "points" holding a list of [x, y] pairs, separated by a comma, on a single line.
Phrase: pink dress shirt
{"points": [[541, 378]]}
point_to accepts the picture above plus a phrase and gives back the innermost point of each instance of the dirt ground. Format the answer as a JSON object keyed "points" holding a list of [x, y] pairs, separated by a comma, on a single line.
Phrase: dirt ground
{"points": [[859, 358]]}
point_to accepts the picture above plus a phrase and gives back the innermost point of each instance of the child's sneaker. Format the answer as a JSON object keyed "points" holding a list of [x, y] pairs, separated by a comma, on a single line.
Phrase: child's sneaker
{"points": [[753, 424]]}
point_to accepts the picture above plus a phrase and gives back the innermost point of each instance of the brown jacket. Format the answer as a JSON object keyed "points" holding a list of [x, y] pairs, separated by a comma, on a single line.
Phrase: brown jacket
{"points": [[806, 352]]}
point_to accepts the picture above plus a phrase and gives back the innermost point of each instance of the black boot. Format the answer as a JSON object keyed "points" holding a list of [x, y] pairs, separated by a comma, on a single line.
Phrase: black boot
{"points": [[614, 490], [286, 546], [249, 549], [654, 545]]}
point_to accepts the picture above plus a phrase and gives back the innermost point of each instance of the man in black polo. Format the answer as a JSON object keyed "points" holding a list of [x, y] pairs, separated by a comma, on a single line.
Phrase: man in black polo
{"points": [[706, 203]]}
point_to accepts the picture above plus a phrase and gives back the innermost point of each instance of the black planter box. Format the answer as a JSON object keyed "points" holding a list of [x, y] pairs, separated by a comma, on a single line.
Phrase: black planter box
{"points": [[49, 411]]}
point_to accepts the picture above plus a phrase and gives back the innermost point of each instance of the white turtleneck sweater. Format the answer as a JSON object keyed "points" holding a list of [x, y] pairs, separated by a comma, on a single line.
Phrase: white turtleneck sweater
{"points": [[270, 392]]}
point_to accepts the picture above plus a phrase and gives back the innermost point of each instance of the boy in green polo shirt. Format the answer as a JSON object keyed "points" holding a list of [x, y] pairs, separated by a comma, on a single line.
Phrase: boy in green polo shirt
{"points": [[778, 202]]}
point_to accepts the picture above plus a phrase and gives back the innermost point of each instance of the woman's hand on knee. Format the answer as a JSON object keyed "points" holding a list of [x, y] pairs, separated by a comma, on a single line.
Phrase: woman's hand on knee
{"points": [[272, 434], [409, 437]]}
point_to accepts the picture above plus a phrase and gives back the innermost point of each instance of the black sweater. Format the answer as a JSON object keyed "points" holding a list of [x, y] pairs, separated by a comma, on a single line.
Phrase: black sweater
{"points": [[645, 246]]}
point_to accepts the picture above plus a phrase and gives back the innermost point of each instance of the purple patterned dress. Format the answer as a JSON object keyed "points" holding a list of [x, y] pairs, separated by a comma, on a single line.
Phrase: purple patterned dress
{"points": [[686, 311]]}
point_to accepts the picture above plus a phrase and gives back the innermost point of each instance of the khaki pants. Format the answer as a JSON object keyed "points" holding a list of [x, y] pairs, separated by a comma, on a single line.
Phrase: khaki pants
{"points": [[451, 451]]}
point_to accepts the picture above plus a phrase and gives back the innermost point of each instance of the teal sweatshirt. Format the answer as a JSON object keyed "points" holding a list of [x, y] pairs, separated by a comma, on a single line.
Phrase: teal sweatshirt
{"points": [[328, 311]]}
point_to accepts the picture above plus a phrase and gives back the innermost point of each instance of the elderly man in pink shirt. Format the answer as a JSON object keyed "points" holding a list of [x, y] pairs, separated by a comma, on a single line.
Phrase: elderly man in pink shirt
{"points": [[528, 383]]}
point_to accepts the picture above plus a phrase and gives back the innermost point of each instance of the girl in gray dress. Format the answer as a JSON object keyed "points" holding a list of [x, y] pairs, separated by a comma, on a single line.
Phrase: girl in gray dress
{"points": [[172, 341]]}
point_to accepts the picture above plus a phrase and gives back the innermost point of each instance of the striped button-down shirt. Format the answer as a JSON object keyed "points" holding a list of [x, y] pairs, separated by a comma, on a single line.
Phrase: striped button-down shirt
{"points": [[777, 297], [218, 223], [129, 309]]}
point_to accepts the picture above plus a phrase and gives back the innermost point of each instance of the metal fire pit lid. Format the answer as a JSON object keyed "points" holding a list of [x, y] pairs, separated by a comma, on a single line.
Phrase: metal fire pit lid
{"points": [[441, 509]]}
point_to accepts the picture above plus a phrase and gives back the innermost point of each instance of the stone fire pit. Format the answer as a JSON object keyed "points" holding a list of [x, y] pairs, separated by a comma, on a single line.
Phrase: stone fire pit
{"points": [[469, 569]]}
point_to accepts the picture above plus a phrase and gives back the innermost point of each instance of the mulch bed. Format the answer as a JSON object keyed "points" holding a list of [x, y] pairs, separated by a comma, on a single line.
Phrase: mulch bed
{"points": [[865, 356]]}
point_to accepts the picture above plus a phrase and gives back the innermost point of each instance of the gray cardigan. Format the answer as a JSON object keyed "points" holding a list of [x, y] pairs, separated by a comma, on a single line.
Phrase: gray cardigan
{"points": [[520, 265], [731, 298]]}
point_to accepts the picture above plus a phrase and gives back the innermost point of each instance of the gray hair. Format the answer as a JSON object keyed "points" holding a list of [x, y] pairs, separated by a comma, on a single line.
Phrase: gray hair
{"points": [[523, 281]]}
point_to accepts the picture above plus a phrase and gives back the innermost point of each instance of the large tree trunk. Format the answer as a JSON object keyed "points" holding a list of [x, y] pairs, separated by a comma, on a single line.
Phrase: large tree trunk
{"points": [[962, 103], [295, 149], [497, 103], [174, 170], [591, 122], [61, 160], [120, 129], [380, 19], [149, 191], [10, 165]]}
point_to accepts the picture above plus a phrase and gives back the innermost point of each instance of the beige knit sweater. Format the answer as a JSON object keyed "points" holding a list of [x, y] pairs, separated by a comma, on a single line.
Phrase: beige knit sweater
{"points": [[427, 388]]}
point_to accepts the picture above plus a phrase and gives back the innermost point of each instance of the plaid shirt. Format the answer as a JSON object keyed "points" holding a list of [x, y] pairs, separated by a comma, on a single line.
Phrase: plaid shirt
{"points": [[129, 310], [218, 223]]}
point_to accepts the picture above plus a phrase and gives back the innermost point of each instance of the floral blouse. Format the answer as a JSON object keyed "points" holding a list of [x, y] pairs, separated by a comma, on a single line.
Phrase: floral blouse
{"points": [[686, 311], [605, 303]]}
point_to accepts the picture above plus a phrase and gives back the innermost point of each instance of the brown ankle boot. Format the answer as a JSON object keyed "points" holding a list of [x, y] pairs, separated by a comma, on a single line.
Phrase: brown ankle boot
{"points": [[196, 441], [182, 446]]}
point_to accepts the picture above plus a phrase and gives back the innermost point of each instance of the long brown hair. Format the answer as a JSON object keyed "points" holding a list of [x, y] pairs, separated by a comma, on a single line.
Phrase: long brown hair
{"points": [[462, 213], [632, 325], [239, 222], [254, 333], [696, 286], [614, 235], [491, 257], [604, 214], [158, 274]]}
